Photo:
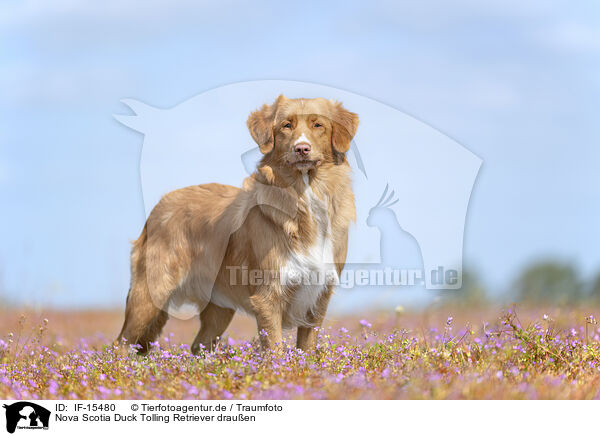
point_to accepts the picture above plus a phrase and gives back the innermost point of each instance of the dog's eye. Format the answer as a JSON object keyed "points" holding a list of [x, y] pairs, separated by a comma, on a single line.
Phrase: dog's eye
{"points": [[287, 126], [318, 125]]}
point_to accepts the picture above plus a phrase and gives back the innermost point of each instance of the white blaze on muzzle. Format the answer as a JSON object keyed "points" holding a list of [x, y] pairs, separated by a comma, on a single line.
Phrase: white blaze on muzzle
{"points": [[302, 139]]}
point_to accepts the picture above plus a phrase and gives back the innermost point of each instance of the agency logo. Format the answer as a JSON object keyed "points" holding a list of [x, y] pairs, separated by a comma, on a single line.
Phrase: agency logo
{"points": [[26, 416]]}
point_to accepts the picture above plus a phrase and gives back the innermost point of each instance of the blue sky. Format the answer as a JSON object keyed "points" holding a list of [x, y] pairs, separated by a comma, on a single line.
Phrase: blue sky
{"points": [[517, 84]]}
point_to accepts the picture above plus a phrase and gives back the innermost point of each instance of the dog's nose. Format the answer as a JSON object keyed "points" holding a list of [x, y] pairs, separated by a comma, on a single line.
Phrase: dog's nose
{"points": [[302, 149]]}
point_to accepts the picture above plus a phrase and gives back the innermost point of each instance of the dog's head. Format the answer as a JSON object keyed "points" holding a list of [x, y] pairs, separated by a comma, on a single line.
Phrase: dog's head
{"points": [[302, 133]]}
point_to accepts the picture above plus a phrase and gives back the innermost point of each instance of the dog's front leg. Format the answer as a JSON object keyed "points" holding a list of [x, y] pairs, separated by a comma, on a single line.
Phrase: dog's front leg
{"points": [[268, 312], [307, 336]]}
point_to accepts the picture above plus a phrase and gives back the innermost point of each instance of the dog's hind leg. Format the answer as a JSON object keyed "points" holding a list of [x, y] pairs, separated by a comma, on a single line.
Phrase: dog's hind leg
{"points": [[214, 320]]}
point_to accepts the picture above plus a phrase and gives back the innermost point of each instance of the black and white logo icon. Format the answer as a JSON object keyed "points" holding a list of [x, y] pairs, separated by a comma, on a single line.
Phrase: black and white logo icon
{"points": [[26, 415]]}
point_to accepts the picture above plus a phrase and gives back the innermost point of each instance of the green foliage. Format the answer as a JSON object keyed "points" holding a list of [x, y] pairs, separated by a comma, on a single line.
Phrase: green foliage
{"points": [[472, 293], [595, 288], [549, 282]]}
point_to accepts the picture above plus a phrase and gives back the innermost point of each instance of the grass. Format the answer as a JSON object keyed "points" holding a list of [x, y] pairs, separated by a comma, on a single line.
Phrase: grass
{"points": [[436, 354]]}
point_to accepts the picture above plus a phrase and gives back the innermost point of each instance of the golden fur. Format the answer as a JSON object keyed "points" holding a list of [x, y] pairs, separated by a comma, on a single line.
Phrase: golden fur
{"points": [[293, 208]]}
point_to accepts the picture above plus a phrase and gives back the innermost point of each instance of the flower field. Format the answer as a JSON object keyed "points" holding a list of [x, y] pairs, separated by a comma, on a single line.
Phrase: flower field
{"points": [[435, 354]]}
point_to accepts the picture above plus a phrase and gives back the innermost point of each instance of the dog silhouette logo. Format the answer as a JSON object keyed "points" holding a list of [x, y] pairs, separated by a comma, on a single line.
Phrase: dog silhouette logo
{"points": [[26, 415]]}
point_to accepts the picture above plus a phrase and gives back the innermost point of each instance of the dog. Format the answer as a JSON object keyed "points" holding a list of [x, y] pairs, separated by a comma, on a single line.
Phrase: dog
{"points": [[274, 248]]}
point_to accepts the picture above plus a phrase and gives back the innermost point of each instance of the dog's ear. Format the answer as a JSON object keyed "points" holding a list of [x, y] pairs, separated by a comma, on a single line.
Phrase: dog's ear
{"points": [[344, 125], [260, 124]]}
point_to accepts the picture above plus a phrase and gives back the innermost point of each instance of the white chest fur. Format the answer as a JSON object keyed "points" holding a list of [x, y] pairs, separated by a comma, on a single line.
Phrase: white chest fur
{"points": [[310, 272]]}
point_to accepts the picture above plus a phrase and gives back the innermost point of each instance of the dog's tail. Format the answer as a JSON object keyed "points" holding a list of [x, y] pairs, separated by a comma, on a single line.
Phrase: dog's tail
{"points": [[138, 270]]}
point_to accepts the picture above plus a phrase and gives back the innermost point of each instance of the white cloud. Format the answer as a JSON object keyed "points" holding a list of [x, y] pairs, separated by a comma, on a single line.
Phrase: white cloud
{"points": [[82, 15], [572, 36], [433, 15], [28, 83]]}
